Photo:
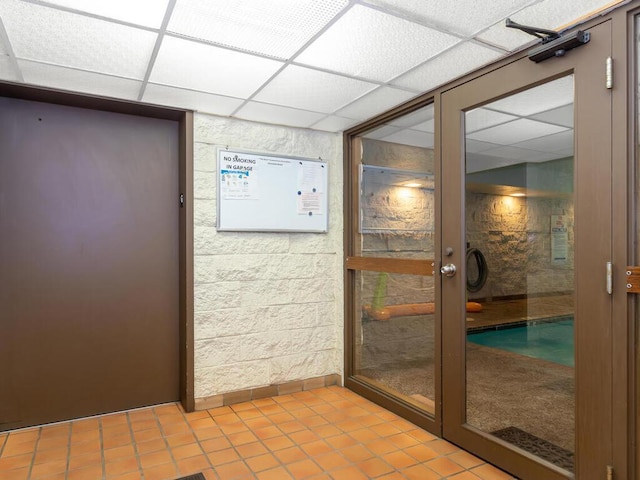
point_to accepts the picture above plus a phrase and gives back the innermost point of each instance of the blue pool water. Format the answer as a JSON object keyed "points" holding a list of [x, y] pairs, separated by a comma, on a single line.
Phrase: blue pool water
{"points": [[552, 341]]}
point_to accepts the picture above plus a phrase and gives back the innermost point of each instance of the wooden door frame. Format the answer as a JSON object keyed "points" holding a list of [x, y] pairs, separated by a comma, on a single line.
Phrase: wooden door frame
{"points": [[185, 179]]}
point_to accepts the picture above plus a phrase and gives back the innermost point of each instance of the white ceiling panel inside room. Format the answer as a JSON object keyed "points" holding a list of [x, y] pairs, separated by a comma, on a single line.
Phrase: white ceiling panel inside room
{"points": [[320, 64]]}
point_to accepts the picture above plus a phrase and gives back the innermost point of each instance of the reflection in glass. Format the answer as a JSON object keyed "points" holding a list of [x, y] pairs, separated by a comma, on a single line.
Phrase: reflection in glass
{"points": [[519, 215], [394, 325]]}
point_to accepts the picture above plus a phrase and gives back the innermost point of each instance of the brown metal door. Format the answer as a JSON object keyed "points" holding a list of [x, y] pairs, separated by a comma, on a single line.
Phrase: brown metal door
{"points": [[88, 262], [527, 167]]}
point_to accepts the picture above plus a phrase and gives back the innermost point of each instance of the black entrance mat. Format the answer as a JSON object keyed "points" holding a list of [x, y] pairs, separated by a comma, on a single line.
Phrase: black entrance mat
{"points": [[542, 448], [195, 476]]}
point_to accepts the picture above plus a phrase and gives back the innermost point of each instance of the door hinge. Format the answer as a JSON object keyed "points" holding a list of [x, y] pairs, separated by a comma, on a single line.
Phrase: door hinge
{"points": [[609, 472], [609, 74], [181, 200]]}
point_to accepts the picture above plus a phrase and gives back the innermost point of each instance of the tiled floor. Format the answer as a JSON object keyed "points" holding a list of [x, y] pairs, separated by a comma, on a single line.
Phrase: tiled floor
{"points": [[328, 433]]}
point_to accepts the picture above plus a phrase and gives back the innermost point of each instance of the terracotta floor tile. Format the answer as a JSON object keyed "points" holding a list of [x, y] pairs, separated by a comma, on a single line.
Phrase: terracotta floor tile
{"points": [[251, 449], [186, 451], [207, 433], [303, 469], [292, 426], [51, 443], [374, 467], [442, 447], [250, 413], [127, 476], [489, 472], [314, 421], [116, 441], [303, 436], [465, 476], [144, 424], [176, 429], [399, 459], [420, 472], [290, 455], [160, 472], [119, 452], [180, 439], [444, 466], [278, 473], [364, 435], [216, 412], [85, 436], [51, 455], [85, 448], [223, 456], [331, 461], [262, 462], [49, 468], [144, 435], [156, 458], [151, 446], [316, 448], [236, 427], [370, 420], [115, 430], [268, 432], [326, 431], [215, 444], [88, 473], [16, 474], [242, 438], [16, 461], [348, 473], [274, 409], [232, 470], [202, 423], [227, 418], [278, 443], [81, 461], [84, 425], [121, 466], [281, 418], [341, 441], [356, 453], [188, 466], [423, 453], [385, 429], [55, 431], [464, 459]]}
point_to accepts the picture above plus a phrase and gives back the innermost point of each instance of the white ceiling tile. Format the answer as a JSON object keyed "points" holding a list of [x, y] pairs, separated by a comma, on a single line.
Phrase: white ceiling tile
{"points": [[477, 163], [421, 115], [463, 17], [481, 118], [79, 80], [544, 97], [370, 44], [51, 36], [474, 146], [428, 126], [559, 142], [382, 131], [7, 70], [461, 59], [548, 14], [275, 114], [373, 103], [3, 49], [148, 13], [515, 132], [300, 87], [278, 28], [559, 116], [182, 63], [411, 137], [518, 155], [332, 123], [189, 99]]}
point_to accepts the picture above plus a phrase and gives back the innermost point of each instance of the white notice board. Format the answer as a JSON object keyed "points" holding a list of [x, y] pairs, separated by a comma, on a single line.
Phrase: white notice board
{"points": [[268, 193]]}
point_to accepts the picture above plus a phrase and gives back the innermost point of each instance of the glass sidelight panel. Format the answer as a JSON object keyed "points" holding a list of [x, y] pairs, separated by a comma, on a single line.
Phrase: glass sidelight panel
{"points": [[520, 270], [394, 297]]}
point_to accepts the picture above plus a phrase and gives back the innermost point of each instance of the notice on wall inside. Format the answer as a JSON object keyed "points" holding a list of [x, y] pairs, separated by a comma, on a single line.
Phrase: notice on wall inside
{"points": [[263, 192], [239, 177], [559, 240], [310, 188]]}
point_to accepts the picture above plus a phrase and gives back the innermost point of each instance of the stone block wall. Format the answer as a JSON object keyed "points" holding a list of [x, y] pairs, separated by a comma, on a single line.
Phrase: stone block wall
{"points": [[268, 306]]}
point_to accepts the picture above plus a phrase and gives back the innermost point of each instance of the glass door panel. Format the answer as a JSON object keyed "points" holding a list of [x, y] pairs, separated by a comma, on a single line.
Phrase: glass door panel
{"points": [[520, 269], [392, 284]]}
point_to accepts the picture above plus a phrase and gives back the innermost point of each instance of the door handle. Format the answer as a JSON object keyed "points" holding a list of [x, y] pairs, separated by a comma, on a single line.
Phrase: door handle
{"points": [[448, 270]]}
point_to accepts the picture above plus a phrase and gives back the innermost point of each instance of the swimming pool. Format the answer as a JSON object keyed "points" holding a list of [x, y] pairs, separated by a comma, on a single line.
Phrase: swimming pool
{"points": [[549, 340]]}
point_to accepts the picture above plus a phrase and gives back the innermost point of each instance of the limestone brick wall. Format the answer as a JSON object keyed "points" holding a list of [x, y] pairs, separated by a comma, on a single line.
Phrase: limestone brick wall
{"points": [[268, 306]]}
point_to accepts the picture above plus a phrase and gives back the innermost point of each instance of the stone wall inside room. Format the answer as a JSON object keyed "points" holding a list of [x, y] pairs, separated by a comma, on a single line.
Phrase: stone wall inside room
{"points": [[268, 306], [514, 235]]}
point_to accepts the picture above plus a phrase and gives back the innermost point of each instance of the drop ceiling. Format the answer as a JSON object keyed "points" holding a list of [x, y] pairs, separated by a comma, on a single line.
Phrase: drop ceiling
{"points": [[319, 64]]}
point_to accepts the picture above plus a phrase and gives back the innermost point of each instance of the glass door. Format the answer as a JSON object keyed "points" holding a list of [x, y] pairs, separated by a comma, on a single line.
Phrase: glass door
{"points": [[526, 308], [393, 335]]}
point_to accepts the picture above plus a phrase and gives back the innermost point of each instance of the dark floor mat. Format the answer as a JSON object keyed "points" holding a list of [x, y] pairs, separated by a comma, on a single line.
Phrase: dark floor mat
{"points": [[542, 448], [195, 476]]}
